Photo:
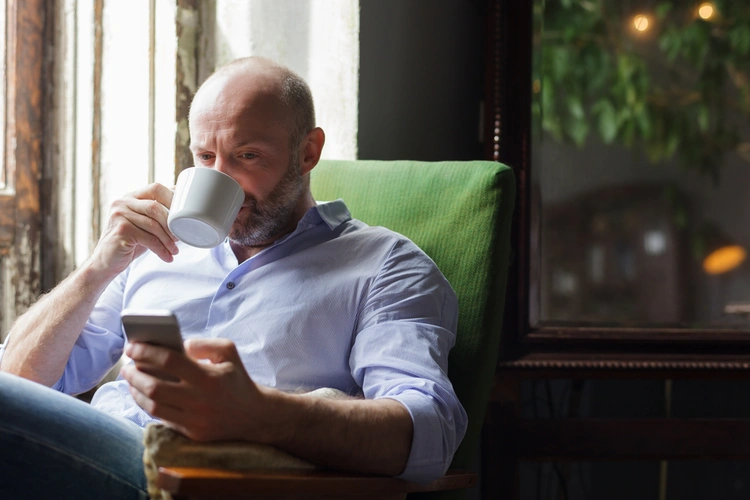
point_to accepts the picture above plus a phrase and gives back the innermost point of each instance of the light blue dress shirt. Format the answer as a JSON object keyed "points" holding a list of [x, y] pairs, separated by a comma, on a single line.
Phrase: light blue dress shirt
{"points": [[336, 303]]}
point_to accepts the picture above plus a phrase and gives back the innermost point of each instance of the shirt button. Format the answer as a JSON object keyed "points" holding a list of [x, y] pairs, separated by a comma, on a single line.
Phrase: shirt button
{"points": [[230, 285]]}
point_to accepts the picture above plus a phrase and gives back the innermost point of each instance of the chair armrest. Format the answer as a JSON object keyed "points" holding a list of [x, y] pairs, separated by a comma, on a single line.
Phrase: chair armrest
{"points": [[187, 482]]}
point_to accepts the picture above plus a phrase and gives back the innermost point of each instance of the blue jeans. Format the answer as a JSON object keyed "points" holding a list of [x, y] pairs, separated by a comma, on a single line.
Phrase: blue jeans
{"points": [[55, 446]]}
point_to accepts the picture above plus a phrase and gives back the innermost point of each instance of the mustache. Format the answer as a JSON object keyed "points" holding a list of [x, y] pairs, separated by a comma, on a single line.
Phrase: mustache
{"points": [[250, 201]]}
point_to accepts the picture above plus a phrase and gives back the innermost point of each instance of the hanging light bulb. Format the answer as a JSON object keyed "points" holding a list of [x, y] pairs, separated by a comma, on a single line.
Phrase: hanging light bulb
{"points": [[641, 22], [706, 10]]}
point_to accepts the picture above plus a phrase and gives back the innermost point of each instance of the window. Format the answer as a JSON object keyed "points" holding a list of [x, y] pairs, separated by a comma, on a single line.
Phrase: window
{"points": [[630, 135]]}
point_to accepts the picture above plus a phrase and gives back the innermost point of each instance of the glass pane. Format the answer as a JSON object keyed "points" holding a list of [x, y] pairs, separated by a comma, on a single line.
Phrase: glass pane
{"points": [[641, 163]]}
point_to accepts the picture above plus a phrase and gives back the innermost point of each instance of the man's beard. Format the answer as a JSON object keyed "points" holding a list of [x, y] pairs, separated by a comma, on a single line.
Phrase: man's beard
{"points": [[264, 220]]}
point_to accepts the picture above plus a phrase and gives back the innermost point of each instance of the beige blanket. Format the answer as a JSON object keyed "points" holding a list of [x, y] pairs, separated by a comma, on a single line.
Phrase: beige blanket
{"points": [[165, 447]]}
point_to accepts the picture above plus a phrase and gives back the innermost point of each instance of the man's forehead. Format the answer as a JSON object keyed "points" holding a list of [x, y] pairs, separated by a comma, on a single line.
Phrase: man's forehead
{"points": [[240, 84], [238, 105], [233, 138], [227, 117], [232, 130]]}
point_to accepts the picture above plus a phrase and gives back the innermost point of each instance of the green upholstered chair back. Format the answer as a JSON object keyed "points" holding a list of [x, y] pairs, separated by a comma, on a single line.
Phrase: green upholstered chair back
{"points": [[459, 213]]}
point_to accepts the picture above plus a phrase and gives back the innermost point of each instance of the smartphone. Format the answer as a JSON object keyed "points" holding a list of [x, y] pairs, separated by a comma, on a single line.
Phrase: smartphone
{"points": [[154, 326]]}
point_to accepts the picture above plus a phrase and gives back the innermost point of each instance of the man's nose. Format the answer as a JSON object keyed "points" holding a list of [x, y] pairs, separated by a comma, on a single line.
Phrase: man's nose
{"points": [[222, 164]]}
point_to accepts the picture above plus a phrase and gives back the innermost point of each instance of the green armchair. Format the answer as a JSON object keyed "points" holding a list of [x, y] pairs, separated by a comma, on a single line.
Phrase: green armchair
{"points": [[459, 213]]}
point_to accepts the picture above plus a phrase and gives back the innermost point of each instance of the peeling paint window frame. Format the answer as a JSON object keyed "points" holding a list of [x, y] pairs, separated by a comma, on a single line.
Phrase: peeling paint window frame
{"points": [[3, 86]]}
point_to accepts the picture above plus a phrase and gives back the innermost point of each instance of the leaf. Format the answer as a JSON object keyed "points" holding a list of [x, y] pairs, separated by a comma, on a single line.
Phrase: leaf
{"points": [[628, 133], [575, 108], [559, 62], [654, 151], [675, 96], [672, 143], [662, 10], [607, 121], [630, 95], [671, 43], [624, 67], [739, 39], [644, 121], [578, 131], [703, 118], [552, 126]]}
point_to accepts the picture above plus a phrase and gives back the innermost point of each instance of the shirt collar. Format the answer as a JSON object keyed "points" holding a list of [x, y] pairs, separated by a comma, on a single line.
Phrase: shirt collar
{"points": [[333, 213]]}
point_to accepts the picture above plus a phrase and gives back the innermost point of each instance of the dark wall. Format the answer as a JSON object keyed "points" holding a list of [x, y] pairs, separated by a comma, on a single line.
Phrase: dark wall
{"points": [[420, 79], [684, 480]]}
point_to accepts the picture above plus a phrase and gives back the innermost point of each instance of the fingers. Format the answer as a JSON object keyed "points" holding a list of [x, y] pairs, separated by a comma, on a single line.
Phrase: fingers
{"points": [[214, 350], [148, 392], [149, 216], [139, 219], [160, 360], [157, 192], [151, 204], [150, 386], [133, 231]]}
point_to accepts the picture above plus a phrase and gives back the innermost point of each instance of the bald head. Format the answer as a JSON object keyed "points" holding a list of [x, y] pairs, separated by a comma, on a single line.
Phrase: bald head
{"points": [[276, 82]]}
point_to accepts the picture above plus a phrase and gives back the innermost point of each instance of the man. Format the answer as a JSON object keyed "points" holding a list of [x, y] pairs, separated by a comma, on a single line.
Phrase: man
{"points": [[300, 296]]}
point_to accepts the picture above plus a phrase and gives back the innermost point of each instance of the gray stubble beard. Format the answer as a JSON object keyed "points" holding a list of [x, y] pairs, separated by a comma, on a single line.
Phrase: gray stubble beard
{"points": [[266, 219]]}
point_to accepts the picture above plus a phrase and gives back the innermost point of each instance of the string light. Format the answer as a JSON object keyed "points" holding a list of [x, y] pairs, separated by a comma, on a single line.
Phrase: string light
{"points": [[706, 10], [640, 22]]}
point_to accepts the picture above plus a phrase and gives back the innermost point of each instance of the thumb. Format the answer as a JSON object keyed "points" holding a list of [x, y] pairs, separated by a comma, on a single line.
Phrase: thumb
{"points": [[214, 350]]}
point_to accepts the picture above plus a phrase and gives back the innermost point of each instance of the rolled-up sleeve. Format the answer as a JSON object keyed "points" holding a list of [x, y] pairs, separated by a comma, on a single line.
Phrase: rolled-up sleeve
{"points": [[406, 328], [99, 346]]}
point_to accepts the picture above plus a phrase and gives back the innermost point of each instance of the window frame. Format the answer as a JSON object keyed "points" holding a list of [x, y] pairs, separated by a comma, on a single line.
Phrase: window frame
{"points": [[508, 99], [21, 209]]}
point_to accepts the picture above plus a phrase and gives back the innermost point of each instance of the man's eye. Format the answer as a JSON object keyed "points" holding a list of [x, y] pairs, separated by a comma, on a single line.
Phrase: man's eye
{"points": [[248, 156], [205, 156]]}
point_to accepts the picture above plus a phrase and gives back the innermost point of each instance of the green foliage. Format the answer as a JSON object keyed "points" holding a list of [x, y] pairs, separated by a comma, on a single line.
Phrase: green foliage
{"points": [[680, 89]]}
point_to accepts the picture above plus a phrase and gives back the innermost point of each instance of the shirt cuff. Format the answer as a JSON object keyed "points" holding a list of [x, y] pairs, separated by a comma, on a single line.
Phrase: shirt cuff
{"points": [[434, 439]]}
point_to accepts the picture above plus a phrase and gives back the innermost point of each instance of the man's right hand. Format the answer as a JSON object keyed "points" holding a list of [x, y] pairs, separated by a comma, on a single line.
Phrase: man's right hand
{"points": [[137, 222]]}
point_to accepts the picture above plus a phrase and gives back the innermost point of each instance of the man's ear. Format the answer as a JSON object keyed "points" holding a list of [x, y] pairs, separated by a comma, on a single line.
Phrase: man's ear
{"points": [[311, 148]]}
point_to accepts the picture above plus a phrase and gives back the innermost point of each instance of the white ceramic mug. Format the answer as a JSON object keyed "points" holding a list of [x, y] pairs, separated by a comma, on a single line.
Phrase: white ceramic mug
{"points": [[204, 206]]}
